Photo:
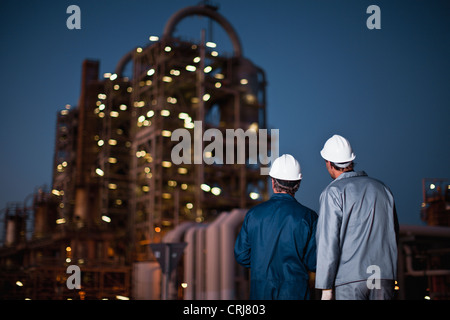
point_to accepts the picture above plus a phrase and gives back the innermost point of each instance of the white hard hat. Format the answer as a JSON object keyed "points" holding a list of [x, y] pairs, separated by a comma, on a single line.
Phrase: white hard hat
{"points": [[337, 149], [285, 168]]}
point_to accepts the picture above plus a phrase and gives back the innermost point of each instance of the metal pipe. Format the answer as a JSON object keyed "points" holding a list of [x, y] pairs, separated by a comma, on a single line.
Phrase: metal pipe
{"points": [[420, 273], [228, 238], [204, 11]]}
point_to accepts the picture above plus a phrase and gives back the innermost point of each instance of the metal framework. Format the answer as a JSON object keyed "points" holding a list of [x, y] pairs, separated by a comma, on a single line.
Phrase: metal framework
{"points": [[115, 187]]}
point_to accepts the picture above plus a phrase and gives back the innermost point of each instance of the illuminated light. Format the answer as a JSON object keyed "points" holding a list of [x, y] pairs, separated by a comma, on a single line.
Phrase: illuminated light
{"points": [[150, 72], [141, 118], [175, 72], [206, 97], [147, 170], [130, 89], [123, 107], [147, 123], [427, 298], [189, 125], [112, 160], [183, 115], [166, 164], [60, 221], [122, 298], [189, 205], [167, 49], [214, 53], [184, 285], [184, 186], [153, 38], [216, 191], [113, 77], [101, 96], [99, 172], [432, 186], [244, 81], [205, 187], [172, 183], [145, 188], [148, 82], [396, 288], [171, 100], [107, 75], [118, 202], [112, 142], [114, 114], [195, 100], [19, 284], [182, 170], [101, 115], [167, 79], [139, 104], [196, 60], [101, 107], [112, 186], [64, 112], [106, 219], [100, 143], [138, 49], [165, 113], [219, 76], [166, 196], [207, 69], [190, 68], [217, 84], [141, 153], [166, 133], [250, 98], [56, 192], [64, 164], [68, 249], [150, 114], [68, 260], [157, 229], [208, 154], [211, 44], [116, 87], [253, 127], [254, 195]]}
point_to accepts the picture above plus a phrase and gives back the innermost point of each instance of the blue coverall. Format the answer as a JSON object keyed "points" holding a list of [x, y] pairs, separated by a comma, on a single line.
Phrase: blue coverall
{"points": [[277, 241]]}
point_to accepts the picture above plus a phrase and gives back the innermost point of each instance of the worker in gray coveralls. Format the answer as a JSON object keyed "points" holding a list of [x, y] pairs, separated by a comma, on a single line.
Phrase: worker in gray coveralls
{"points": [[356, 231]]}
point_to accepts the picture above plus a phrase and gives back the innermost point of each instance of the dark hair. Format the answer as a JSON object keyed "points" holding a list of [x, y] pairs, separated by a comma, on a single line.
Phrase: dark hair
{"points": [[348, 168], [287, 186]]}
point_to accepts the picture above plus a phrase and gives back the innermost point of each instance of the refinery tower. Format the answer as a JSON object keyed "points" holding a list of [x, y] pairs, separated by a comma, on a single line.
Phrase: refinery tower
{"points": [[116, 188]]}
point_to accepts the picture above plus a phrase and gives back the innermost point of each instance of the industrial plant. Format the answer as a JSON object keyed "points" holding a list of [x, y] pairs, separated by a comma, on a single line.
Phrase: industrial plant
{"points": [[116, 190]]}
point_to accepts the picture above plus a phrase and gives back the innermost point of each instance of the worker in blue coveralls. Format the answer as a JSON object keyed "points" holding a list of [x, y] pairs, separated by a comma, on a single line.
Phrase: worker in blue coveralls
{"points": [[277, 239], [357, 231]]}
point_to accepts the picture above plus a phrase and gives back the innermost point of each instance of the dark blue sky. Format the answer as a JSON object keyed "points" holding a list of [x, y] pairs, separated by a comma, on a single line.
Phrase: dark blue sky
{"points": [[387, 91]]}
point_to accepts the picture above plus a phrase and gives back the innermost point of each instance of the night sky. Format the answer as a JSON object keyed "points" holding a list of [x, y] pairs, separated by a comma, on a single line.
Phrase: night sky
{"points": [[387, 90]]}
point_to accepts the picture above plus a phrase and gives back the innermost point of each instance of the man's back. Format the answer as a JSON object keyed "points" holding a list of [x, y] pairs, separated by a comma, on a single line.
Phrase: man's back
{"points": [[277, 241], [361, 210]]}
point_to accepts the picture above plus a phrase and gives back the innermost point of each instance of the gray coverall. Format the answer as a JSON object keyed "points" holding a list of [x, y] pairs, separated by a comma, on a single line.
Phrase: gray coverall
{"points": [[356, 237]]}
